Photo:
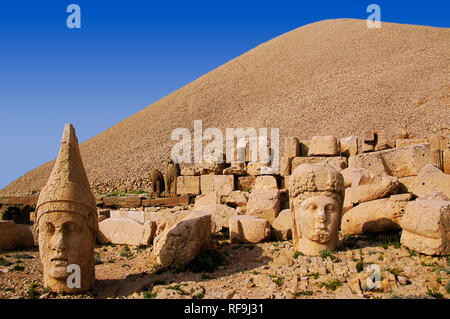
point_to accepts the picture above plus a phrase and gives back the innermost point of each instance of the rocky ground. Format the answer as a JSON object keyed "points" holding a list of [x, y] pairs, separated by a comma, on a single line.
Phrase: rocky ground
{"points": [[267, 270]]}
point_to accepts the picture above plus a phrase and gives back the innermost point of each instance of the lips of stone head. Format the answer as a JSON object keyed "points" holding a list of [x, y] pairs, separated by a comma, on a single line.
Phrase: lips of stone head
{"points": [[64, 239]]}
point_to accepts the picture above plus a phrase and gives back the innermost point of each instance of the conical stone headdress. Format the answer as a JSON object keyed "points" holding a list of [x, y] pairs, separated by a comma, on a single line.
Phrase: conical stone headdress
{"points": [[67, 189]]}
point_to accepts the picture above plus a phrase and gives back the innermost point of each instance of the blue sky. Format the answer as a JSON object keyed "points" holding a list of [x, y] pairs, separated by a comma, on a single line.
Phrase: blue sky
{"points": [[129, 54]]}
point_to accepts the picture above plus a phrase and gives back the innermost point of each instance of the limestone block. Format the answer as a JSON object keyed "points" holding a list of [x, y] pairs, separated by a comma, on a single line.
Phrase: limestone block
{"points": [[291, 147], [236, 168], [434, 195], [347, 174], [237, 199], [220, 214], [375, 216], [265, 182], [399, 162], [138, 216], [182, 242], [254, 168], [426, 227], [188, 185], [223, 184], [264, 203], [399, 143], [431, 179], [406, 184], [323, 146], [348, 200], [122, 201], [283, 221], [207, 199], [338, 162], [285, 182], [367, 185], [190, 171], [207, 184], [166, 219], [349, 146], [245, 183], [304, 147], [248, 229], [446, 161], [14, 236], [126, 231], [285, 166]]}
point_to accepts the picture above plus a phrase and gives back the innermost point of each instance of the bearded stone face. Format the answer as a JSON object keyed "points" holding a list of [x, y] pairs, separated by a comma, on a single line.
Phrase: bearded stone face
{"points": [[318, 218], [65, 239]]}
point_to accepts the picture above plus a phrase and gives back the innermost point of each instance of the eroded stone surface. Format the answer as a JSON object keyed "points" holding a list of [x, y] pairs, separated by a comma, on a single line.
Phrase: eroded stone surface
{"points": [[67, 219], [181, 243], [248, 229], [316, 194]]}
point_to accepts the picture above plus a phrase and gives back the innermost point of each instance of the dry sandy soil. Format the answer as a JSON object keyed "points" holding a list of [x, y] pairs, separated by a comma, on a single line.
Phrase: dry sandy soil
{"points": [[266, 270], [333, 77]]}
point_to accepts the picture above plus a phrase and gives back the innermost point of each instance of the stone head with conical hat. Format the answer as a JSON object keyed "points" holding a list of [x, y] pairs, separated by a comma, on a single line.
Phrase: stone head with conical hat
{"points": [[67, 221], [316, 194]]}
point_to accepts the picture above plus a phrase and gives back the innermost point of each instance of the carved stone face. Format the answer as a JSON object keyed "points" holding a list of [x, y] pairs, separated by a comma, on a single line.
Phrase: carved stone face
{"points": [[65, 239], [318, 218]]}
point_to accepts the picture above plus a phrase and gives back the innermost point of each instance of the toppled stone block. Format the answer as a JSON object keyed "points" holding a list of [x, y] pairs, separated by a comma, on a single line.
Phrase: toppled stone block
{"points": [[188, 185], [399, 143], [190, 171], [254, 168], [285, 166], [248, 229], [323, 146], [245, 183], [264, 203], [166, 202], [348, 200], [122, 201], [220, 214], [14, 236], [347, 174], [182, 242], [285, 182], [283, 223], [237, 199], [138, 216], [431, 179], [399, 162], [375, 216], [207, 199], [236, 168], [126, 231], [222, 184], [291, 147], [265, 182], [367, 185], [446, 161], [166, 219], [426, 227], [349, 146], [304, 147], [338, 162]]}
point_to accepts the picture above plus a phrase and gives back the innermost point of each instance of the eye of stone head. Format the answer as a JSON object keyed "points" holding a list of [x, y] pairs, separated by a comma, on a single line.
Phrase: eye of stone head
{"points": [[311, 207], [70, 227], [48, 228], [330, 208]]}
